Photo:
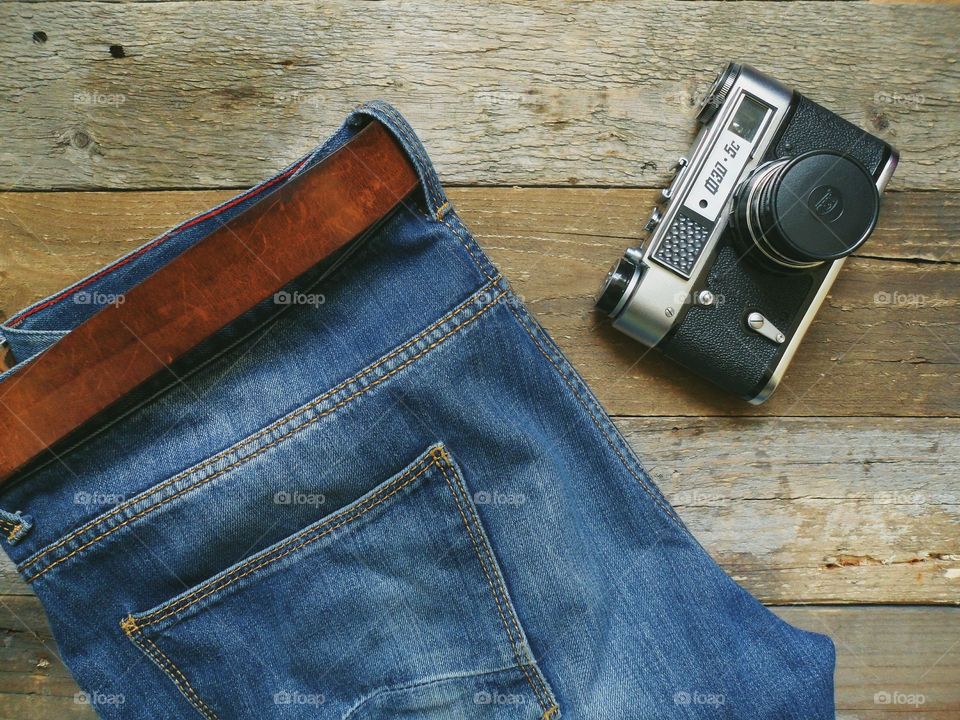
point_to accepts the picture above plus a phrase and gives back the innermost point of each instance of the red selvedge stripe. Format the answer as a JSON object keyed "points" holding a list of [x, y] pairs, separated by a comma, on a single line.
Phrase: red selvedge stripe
{"points": [[167, 235]]}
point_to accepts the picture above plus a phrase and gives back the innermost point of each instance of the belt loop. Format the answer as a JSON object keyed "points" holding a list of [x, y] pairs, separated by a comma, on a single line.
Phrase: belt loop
{"points": [[436, 199], [15, 525]]}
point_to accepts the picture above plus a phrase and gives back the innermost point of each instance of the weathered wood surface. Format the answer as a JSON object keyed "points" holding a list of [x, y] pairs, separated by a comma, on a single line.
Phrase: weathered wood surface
{"points": [[887, 341], [881, 652], [150, 95], [827, 494], [817, 510]]}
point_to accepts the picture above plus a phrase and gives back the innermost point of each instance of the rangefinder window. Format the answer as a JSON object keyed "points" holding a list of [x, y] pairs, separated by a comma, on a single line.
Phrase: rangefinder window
{"points": [[748, 119]]}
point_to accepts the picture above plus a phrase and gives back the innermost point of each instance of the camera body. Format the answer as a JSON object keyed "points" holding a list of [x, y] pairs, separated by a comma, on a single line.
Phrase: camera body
{"points": [[776, 193]]}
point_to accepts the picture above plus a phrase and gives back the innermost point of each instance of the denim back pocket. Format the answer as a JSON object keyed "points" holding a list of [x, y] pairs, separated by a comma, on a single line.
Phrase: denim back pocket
{"points": [[393, 606]]}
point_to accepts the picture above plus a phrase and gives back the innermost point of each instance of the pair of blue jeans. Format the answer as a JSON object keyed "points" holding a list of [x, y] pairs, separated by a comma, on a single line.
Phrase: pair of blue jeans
{"points": [[393, 497]]}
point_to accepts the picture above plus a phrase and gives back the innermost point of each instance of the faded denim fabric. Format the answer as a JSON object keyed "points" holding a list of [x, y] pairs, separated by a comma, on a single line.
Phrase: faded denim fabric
{"points": [[386, 495]]}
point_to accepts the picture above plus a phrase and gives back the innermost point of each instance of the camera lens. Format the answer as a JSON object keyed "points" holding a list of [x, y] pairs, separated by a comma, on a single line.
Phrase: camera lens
{"points": [[803, 211], [615, 285]]}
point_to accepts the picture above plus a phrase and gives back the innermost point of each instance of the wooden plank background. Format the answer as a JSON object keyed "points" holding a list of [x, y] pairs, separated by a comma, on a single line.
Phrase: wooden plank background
{"points": [[838, 501]]}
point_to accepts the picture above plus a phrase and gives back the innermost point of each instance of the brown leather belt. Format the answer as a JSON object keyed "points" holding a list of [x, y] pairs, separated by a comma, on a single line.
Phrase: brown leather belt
{"points": [[213, 283]]}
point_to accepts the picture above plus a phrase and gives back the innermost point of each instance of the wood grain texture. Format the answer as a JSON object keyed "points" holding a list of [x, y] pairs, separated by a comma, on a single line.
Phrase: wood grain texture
{"points": [[886, 342], [844, 503], [534, 93], [816, 510], [899, 652]]}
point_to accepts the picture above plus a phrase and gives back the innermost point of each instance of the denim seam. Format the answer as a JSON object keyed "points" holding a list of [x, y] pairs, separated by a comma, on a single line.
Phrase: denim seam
{"points": [[605, 431], [260, 329], [503, 589], [438, 204], [590, 411], [308, 536], [466, 241], [515, 644], [132, 631], [521, 655], [251, 439], [255, 436], [386, 112], [27, 333], [437, 201]]}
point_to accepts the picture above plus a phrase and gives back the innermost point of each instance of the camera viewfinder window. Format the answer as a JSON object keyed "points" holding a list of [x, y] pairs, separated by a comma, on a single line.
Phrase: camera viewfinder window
{"points": [[748, 119]]}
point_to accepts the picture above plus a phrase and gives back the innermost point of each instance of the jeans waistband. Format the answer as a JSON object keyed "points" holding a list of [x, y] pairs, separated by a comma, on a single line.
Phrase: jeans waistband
{"points": [[330, 332], [39, 325]]}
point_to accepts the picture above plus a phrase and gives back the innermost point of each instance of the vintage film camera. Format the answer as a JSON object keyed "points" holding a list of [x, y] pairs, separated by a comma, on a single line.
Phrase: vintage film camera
{"points": [[776, 193]]}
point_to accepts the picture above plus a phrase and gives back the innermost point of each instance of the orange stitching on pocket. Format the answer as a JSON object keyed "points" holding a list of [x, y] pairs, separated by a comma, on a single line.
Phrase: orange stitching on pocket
{"points": [[255, 564], [277, 441], [493, 564], [522, 663], [132, 626], [132, 631]]}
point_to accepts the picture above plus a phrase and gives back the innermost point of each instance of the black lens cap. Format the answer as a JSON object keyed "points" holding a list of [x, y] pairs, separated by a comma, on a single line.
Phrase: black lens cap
{"points": [[824, 205], [615, 285]]}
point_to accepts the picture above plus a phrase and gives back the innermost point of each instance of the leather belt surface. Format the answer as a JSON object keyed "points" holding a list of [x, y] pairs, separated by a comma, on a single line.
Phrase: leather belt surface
{"points": [[214, 282]]}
